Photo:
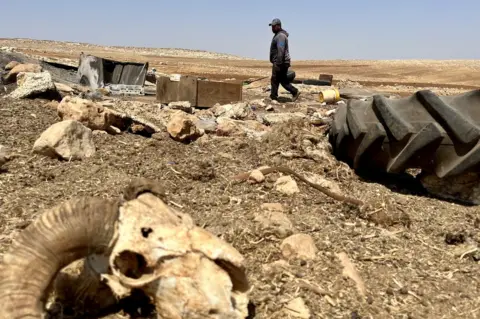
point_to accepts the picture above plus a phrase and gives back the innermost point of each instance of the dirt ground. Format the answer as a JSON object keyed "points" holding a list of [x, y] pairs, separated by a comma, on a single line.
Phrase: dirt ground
{"points": [[410, 269]]}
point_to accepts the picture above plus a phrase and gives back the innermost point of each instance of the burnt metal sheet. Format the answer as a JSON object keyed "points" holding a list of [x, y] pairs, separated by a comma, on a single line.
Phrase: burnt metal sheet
{"points": [[98, 72]]}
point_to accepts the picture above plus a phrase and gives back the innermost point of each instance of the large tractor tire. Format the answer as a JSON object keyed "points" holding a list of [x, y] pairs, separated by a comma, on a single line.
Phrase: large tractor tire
{"points": [[439, 134]]}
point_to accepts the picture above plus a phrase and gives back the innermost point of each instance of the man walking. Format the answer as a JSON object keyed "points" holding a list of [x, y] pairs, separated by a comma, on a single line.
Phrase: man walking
{"points": [[280, 58]]}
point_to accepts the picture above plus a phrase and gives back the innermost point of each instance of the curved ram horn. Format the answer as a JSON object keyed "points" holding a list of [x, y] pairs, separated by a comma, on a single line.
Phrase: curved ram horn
{"points": [[69, 231]]}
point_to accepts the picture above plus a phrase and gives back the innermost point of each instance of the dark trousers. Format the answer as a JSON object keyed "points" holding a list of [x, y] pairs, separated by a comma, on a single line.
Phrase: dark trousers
{"points": [[279, 76]]}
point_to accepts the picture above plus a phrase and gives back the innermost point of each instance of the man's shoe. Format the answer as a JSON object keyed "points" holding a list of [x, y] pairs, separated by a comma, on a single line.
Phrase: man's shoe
{"points": [[295, 96], [274, 98]]}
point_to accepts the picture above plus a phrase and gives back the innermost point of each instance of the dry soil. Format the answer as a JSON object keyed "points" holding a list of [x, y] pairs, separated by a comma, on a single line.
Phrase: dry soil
{"points": [[411, 268]]}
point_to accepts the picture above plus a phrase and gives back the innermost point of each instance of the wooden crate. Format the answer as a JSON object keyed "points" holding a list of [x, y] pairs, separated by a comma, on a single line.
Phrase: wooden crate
{"points": [[199, 93]]}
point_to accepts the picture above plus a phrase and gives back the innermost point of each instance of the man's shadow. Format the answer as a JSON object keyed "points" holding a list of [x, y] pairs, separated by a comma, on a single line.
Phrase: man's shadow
{"points": [[284, 99]]}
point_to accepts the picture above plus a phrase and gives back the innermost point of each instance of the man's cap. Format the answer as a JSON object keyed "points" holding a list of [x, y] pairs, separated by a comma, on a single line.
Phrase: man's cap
{"points": [[276, 22]]}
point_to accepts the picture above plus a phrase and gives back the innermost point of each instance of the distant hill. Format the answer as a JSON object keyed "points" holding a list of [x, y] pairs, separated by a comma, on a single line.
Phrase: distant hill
{"points": [[62, 46]]}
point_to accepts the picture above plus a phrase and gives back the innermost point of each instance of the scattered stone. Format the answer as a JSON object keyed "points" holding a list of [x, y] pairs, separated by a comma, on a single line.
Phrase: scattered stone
{"points": [[275, 222], [136, 128], [64, 88], [286, 185], [11, 77], [131, 122], [318, 119], [184, 106], [272, 207], [249, 128], [11, 65], [350, 271], [299, 246], [181, 128], [114, 130], [319, 180], [69, 140], [160, 136], [256, 177], [258, 103], [277, 118], [97, 117], [269, 108], [52, 105], [92, 96], [238, 111], [98, 132], [204, 139], [276, 266], [330, 112], [90, 114], [105, 91], [33, 85], [227, 127], [209, 125], [298, 309], [7, 49], [319, 151]]}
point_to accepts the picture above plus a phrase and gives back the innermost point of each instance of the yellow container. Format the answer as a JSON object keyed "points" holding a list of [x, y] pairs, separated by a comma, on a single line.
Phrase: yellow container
{"points": [[330, 95]]}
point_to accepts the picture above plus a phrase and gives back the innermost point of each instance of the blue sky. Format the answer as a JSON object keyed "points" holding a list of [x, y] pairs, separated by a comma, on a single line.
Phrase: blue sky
{"points": [[333, 29]]}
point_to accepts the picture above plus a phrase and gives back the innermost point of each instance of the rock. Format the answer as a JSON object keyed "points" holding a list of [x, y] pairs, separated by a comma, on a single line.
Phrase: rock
{"points": [[181, 128], [286, 185], [462, 188], [69, 140], [204, 139], [115, 130], [11, 65], [276, 266], [269, 108], [272, 207], [256, 176], [11, 77], [105, 91], [97, 117], [209, 125], [90, 114], [92, 96], [277, 118], [136, 125], [320, 151], [136, 128], [331, 112], [299, 246], [250, 128], [318, 119], [97, 132], [52, 105], [33, 84], [258, 103], [297, 308], [228, 127], [330, 185], [272, 221], [184, 106], [63, 87], [8, 49], [238, 111]]}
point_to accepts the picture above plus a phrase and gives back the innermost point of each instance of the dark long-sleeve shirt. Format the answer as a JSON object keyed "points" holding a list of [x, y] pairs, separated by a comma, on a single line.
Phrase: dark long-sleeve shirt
{"points": [[279, 53]]}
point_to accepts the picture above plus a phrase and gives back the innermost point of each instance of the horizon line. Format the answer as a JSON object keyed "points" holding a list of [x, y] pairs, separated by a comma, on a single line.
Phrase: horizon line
{"points": [[236, 56]]}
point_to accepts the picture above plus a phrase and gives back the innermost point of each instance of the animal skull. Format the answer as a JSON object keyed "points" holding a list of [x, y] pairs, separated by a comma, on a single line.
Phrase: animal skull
{"points": [[186, 271]]}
